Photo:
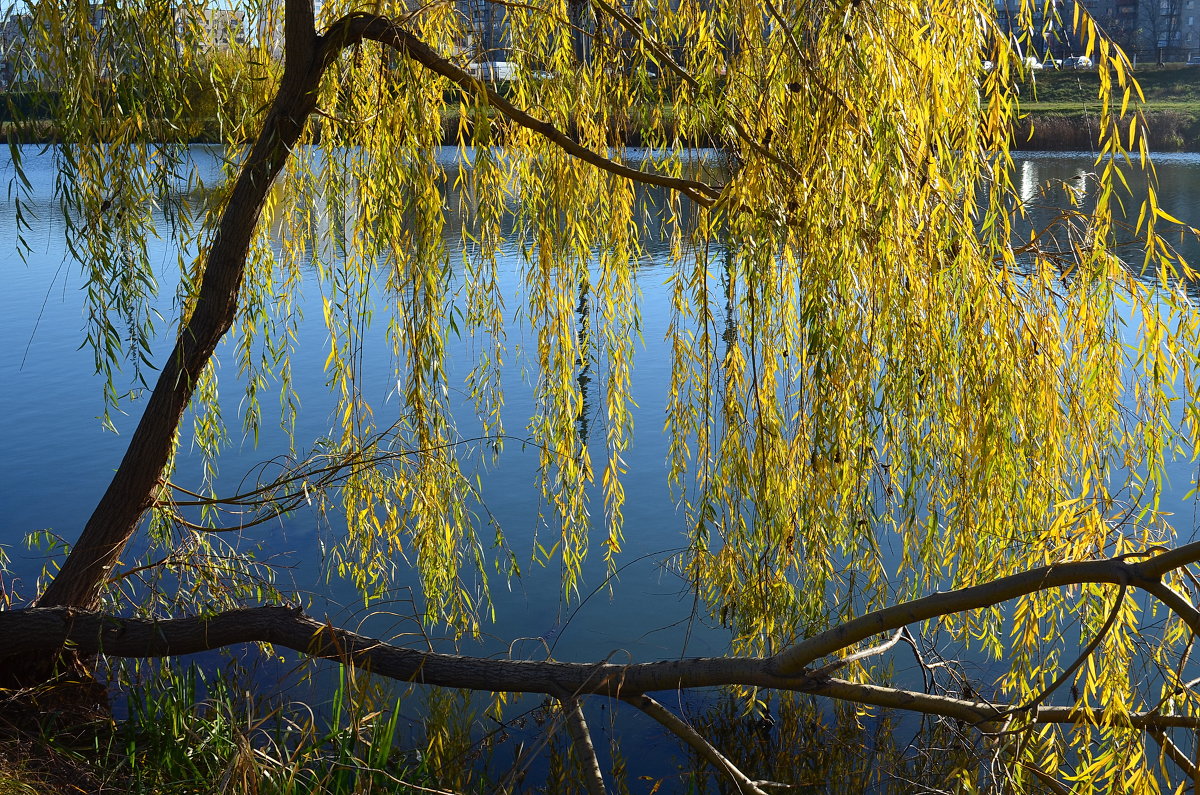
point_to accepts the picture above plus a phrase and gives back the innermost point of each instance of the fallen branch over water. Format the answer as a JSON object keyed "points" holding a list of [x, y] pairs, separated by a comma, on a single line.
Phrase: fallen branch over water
{"points": [[51, 631]]}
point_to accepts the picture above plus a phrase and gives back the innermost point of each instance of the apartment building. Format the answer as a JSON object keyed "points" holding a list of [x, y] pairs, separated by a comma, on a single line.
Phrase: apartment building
{"points": [[212, 28], [1169, 28]]}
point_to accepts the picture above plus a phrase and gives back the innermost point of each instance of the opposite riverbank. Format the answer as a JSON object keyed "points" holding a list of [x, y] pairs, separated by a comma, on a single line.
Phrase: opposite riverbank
{"points": [[1062, 114]]}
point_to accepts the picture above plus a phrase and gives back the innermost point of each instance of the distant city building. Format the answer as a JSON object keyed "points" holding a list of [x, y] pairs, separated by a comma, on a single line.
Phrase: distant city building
{"points": [[1148, 30], [1168, 29], [1189, 25], [486, 27], [19, 65], [213, 28], [267, 27], [1047, 36], [12, 42]]}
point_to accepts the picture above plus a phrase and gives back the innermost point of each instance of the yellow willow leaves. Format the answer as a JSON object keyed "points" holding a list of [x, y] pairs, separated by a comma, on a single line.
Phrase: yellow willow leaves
{"points": [[883, 381]]}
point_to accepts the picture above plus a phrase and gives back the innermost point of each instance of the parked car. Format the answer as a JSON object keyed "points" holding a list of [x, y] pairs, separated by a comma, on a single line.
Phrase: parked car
{"points": [[1193, 60], [493, 71], [1033, 63], [1078, 62]]}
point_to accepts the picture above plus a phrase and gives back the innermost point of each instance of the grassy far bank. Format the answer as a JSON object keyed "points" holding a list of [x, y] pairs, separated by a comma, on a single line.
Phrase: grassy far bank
{"points": [[1061, 106], [1162, 85], [1063, 112]]}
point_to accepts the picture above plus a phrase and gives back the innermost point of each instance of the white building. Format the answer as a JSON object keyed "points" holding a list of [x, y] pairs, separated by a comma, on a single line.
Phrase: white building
{"points": [[212, 28]]}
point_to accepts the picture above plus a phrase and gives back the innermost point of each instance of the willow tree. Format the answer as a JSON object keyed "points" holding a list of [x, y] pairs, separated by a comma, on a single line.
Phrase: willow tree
{"points": [[871, 345]]}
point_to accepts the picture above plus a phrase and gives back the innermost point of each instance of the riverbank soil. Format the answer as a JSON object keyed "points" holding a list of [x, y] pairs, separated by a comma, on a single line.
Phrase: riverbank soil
{"points": [[59, 754]]}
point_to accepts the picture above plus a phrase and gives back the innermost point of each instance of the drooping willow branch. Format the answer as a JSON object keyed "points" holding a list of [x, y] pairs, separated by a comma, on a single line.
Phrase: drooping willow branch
{"points": [[661, 54], [307, 56], [360, 26]]}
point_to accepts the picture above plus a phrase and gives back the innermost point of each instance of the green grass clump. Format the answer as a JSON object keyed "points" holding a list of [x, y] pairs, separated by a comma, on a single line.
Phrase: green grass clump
{"points": [[190, 732], [186, 733]]}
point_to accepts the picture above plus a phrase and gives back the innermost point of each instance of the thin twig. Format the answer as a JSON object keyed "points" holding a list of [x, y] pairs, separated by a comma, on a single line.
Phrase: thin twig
{"points": [[1177, 755], [1048, 780], [525, 756], [681, 729]]}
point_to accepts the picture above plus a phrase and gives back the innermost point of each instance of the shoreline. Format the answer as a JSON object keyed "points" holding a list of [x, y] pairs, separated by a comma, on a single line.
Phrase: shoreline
{"points": [[1169, 131]]}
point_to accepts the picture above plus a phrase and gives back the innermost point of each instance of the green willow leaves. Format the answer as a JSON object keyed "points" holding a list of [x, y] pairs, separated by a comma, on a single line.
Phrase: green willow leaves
{"points": [[885, 381]]}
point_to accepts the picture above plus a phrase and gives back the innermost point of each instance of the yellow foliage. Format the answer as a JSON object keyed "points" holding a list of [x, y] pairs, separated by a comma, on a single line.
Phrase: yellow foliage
{"points": [[867, 342]]}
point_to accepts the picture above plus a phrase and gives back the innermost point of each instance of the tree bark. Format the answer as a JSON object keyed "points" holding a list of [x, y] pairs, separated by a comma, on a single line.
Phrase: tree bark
{"points": [[49, 631], [135, 484]]}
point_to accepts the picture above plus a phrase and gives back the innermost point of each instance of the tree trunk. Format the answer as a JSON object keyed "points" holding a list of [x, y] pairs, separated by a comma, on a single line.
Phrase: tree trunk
{"points": [[306, 56], [135, 484]]}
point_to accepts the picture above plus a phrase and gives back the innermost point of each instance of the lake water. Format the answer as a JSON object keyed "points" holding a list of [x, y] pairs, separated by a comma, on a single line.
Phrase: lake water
{"points": [[59, 458]]}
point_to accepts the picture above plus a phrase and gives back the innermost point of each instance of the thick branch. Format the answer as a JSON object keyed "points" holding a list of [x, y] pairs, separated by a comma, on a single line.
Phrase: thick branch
{"points": [[1117, 571], [1173, 600], [355, 27], [47, 631]]}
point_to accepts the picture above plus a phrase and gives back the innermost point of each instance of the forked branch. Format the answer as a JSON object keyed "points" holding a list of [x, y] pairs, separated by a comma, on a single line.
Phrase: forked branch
{"points": [[48, 632], [356, 27]]}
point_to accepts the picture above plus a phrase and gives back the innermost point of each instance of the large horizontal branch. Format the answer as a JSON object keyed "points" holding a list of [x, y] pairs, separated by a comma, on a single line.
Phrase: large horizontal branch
{"points": [[47, 631], [357, 27], [1146, 575]]}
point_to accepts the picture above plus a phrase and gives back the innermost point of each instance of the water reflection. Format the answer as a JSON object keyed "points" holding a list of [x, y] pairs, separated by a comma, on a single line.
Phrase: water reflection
{"points": [[56, 449], [583, 364], [1050, 183]]}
